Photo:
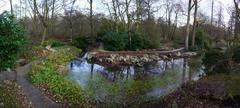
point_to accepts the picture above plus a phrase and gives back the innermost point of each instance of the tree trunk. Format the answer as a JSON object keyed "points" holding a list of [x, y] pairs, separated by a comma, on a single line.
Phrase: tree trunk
{"points": [[212, 17], [91, 22], [237, 22], [11, 5], [188, 24], [128, 23], [71, 23], [194, 23]]}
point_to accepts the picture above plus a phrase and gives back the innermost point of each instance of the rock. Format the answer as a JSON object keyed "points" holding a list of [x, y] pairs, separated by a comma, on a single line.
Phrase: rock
{"points": [[189, 54], [178, 54], [100, 60], [9, 70], [165, 57], [50, 49]]}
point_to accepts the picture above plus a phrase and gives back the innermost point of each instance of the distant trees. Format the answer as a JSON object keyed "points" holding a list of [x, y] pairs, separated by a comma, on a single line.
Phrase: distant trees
{"points": [[159, 21]]}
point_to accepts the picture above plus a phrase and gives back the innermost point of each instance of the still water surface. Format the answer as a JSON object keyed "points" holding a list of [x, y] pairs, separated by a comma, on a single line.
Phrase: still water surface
{"points": [[133, 84]]}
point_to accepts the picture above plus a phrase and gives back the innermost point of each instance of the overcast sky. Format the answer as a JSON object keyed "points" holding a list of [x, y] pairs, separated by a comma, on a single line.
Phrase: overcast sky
{"points": [[205, 6]]}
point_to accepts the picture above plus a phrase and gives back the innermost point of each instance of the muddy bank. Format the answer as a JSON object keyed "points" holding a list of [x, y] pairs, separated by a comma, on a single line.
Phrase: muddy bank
{"points": [[210, 92]]}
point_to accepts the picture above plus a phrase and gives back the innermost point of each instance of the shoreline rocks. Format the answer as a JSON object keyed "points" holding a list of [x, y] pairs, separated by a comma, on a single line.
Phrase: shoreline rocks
{"points": [[133, 58]]}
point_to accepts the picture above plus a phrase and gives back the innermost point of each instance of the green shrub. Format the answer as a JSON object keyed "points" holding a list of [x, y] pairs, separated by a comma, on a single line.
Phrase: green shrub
{"points": [[56, 43], [12, 39], [117, 41], [81, 42], [139, 42], [236, 54], [53, 43], [202, 40], [114, 41]]}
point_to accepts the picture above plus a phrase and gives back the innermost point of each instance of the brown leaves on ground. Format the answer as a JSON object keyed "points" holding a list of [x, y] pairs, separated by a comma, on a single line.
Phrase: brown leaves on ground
{"points": [[14, 89]]}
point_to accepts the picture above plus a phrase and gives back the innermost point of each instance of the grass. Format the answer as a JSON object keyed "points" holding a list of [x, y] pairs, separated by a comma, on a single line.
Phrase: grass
{"points": [[48, 76]]}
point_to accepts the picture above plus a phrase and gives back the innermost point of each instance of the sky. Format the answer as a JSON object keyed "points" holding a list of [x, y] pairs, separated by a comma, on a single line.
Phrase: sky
{"points": [[99, 7]]}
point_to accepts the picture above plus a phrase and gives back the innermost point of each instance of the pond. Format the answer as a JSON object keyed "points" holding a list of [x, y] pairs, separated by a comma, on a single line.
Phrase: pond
{"points": [[130, 85]]}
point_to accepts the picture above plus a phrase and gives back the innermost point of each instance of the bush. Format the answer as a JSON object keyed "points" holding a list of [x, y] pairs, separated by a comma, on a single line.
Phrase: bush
{"points": [[216, 61], [236, 54], [53, 43], [81, 42], [139, 42], [11, 40], [202, 40], [117, 41], [114, 41]]}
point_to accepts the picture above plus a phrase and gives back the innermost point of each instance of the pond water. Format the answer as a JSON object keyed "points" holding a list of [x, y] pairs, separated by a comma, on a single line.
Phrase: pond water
{"points": [[127, 85]]}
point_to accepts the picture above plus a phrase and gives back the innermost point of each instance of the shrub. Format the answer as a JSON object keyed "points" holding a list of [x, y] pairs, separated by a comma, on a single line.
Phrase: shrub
{"points": [[53, 43], [116, 41], [216, 61], [81, 42], [11, 40], [202, 40], [236, 54], [139, 42]]}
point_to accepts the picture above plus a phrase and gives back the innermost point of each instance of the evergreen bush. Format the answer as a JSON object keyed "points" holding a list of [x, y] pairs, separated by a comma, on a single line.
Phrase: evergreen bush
{"points": [[12, 38]]}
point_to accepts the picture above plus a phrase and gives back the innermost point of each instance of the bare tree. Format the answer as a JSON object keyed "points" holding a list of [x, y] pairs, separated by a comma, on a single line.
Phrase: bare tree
{"points": [[212, 9], [237, 21], [11, 5], [128, 15], [91, 21], [190, 6], [194, 22]]}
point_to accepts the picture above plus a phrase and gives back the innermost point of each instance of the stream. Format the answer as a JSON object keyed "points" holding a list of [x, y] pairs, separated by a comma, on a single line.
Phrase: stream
{"points": [[125, 85]]}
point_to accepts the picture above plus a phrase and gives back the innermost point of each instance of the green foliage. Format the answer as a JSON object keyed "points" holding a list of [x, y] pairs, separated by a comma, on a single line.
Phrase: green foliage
{"points": [[216, 61], [222, 60], [236, 54], [139, 42], [53, 43], [116, 41], [12, 38], [109, 25], [81, 42], [45, 74], [202, 40]]}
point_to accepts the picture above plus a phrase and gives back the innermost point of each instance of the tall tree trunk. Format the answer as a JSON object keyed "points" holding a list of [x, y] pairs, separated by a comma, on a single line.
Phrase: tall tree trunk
{"points": [[52, 17], [91, 22], [115, 14], [188, 25], [237, 22], [128, 23], [45, 22], [71, 22], [212, 17], [11, 5], [194, 23]]}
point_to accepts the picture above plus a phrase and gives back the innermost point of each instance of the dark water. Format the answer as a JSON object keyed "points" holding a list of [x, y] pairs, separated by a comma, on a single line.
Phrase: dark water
{"points": [[131, 84]]}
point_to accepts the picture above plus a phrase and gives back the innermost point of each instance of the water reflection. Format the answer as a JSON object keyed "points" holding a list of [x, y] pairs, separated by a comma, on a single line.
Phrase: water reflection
{"points": [[132, 83]]}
